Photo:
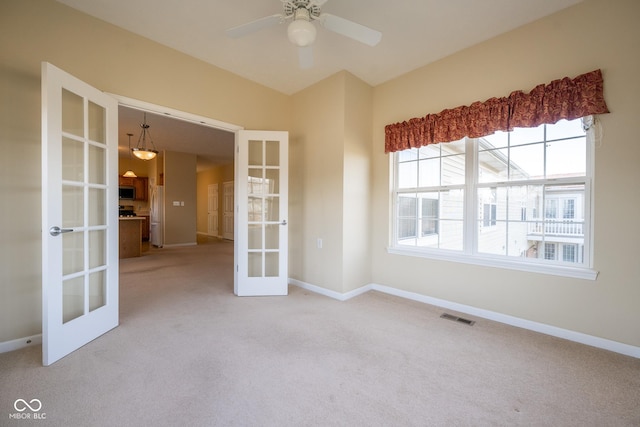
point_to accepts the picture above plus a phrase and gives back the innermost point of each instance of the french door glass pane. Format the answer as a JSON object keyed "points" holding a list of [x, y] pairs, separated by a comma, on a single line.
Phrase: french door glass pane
{"points": [[97, 165], [255, 264], [97, 206], [72, 253], [272, 208], [272, 151], [254, 208], [271, 262], [255, 236], [272, 236], [72, 160], [255, 153], [272, 181], [72, 113], [97, 123], [72, 206], [72, 298], [97, 289], [97, 248]]}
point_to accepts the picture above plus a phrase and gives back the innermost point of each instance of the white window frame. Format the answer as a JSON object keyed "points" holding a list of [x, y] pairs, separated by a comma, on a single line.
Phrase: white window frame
{"points": [[471, 229]]}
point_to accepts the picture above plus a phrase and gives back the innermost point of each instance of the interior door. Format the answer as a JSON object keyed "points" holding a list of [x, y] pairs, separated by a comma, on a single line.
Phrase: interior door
{"points": [[227, 210], [261, 218], [212, 210], [79, 215]]}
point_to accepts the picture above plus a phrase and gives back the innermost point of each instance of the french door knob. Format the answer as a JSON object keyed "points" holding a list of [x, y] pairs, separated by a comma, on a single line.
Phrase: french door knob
{"points": [[56, 231]]}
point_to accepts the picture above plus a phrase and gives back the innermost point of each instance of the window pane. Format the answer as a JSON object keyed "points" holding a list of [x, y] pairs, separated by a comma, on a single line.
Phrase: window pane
{"points": [[429, 172], [451, 235], [453, 170], [565, 129], [430, 151], [497, 140], [492, 165], [493, 240], [521, 136], [408, 175], [567, 158], [526, 162]]}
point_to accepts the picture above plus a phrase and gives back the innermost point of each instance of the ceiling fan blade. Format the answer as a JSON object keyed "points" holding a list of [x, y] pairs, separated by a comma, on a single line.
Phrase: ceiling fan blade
{"points": [[252, 27], [350, 29], [305, 57]]}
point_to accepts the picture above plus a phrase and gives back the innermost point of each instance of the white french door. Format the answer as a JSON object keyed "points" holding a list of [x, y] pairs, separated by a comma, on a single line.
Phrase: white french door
{"points": [[79, 219], [261, 217]]}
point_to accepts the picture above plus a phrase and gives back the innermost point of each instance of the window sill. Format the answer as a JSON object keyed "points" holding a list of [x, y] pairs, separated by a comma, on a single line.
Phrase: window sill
{"points": [[555, 270]]}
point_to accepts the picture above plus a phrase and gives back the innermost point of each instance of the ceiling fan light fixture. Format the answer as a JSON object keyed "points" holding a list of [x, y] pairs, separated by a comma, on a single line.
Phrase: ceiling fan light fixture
{"points": [[301, 31]]}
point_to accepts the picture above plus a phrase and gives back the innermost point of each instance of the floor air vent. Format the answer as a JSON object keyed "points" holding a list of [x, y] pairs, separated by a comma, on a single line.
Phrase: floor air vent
{"points": [[457, 319]]}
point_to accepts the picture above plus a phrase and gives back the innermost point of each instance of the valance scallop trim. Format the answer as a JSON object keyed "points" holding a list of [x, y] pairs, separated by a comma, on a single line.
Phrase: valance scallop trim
{"points": [[561, 99]]}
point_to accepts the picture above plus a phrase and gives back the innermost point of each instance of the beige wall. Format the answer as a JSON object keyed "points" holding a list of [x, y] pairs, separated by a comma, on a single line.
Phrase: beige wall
{"points": [[329, 195], [331, 178], [316, 168], [114, 61], [594, 34], [179, 187], [356, 222]]}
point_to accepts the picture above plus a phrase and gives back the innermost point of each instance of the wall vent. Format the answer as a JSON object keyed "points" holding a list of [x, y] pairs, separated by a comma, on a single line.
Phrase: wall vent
{"points": [[457, 319]]}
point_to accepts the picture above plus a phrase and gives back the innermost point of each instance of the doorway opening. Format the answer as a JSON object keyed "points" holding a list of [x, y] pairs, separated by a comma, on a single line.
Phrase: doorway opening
{"points": [[195, 152]]}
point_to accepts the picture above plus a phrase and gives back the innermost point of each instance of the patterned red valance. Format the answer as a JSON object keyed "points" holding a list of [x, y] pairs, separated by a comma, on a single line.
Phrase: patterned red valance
{"points": [[561, 99]]}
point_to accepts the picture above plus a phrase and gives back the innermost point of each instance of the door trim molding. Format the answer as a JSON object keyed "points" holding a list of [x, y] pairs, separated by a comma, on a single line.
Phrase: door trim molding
{"points": [[173, 113]]}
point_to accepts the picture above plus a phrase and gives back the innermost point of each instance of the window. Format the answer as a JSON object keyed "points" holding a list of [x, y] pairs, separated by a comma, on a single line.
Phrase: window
{"points": [[569, 253], [512, 199], [550, 251]]}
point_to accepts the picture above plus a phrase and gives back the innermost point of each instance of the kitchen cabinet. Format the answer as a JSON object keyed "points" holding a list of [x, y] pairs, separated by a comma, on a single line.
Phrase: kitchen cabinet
{"points": [[146, 224], [141, 184], [130, 238]]}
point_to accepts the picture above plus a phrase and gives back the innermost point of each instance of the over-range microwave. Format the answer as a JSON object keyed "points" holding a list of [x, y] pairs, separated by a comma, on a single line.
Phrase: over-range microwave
{"points": [[127, 193]]}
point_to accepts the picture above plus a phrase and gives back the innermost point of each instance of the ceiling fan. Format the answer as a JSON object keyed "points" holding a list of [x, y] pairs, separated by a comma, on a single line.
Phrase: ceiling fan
{"points": [[301, 30]]}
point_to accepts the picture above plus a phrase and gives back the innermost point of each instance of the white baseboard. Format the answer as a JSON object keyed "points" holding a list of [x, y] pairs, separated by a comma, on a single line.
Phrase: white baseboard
{"points": [[329, 293], [202, 233], [175, 245], [617, 347], [20, 343]]}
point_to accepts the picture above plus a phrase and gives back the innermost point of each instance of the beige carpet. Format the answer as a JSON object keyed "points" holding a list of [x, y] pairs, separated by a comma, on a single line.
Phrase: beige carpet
{"points": [[190, 353]]}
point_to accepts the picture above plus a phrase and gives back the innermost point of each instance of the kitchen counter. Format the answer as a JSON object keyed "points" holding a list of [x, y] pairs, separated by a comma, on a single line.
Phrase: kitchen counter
{"points": [[130, 236]]}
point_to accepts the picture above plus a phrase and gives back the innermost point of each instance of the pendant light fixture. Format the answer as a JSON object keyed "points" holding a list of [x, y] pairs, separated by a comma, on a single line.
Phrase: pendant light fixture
{"points": [[130, 173], [141, 150]]}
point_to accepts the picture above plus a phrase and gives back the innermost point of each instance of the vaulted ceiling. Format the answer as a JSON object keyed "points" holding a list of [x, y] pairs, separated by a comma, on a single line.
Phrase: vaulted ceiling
{"points": [[414, 33]]}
